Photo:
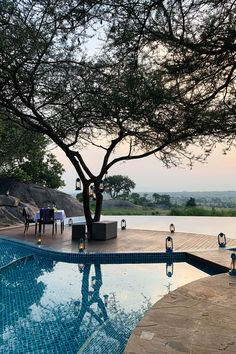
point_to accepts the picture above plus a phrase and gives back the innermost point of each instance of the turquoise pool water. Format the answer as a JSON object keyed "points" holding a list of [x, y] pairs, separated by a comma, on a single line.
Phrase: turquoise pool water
{"points": [[54, 307]]}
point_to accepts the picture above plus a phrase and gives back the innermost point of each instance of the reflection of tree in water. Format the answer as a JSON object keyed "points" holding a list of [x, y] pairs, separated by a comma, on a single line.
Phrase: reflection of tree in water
{"points": [[10, 252], [86, 325], [19, 291]]}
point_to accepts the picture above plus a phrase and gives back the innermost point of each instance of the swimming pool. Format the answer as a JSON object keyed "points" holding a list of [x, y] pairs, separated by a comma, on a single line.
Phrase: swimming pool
{"points": [[50, 306]]}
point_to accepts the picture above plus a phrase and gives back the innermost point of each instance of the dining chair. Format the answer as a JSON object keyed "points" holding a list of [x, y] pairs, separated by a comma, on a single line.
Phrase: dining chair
{"points": [[28, 219], [47, 217]]}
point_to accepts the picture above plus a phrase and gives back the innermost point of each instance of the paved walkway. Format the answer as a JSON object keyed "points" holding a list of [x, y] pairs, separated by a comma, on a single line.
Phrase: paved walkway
{"points": [[198, 318]]}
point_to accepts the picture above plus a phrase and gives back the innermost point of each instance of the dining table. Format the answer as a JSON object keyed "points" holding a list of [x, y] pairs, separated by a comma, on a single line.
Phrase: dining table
{"points": [[59, 215]]}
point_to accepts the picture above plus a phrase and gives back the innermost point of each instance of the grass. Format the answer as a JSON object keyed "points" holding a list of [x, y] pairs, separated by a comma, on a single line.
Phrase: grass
{"points": [[175, 211]]}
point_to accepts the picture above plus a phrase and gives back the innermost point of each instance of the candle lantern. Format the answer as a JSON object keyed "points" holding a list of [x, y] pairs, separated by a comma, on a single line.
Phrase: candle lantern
{"points": [[78, 184], [70, 222], [221, 239], [123, 224], [233, 264], [169, 269], [39, 241], [169, 244], [172, 228], [81, 245]]}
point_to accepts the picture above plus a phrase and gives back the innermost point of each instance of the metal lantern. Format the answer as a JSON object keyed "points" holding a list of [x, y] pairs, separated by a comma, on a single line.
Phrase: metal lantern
{"points": [[221, 239], [39, 241], [123, 224], [70, 222], [169, 269], [78, 184], [81, 245], [172, 228], [169, 244], [233, 264]]}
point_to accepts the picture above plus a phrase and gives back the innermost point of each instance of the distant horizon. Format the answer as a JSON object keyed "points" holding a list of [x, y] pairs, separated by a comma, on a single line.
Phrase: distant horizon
{"points": [[68, 191]]}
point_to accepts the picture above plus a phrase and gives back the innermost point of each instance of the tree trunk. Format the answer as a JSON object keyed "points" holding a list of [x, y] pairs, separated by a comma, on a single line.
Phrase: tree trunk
{"points": [[87, 212]]}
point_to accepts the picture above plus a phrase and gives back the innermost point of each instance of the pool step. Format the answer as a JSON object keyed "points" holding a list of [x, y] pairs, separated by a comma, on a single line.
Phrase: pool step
{"points": [[16, 261]]}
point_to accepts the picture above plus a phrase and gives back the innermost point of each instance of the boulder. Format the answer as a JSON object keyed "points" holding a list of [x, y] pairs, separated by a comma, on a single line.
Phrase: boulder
{"points": [[15, 195], [6, 200]]}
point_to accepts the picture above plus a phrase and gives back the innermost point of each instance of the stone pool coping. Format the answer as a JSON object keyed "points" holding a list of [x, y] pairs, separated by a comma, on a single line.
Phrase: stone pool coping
{"points": [[196, 318]]}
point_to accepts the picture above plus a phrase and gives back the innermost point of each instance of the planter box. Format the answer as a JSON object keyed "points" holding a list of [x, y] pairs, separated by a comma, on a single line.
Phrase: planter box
{"points": [[104, 230], [78, 230]]}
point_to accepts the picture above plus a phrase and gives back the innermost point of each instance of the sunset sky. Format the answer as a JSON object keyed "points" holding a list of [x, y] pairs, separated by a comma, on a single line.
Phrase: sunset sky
{"points": [[218, 174]]}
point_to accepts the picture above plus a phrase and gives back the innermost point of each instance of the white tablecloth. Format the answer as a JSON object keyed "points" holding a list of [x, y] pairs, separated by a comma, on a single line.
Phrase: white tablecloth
{"points": [[59, 215]]}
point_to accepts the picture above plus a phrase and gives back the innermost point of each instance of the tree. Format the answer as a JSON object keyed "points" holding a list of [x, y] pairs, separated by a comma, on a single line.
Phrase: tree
{"points": [[24, 157], [117, 99], [119, 186], [163, 199], [193, 41], [191, 202]]}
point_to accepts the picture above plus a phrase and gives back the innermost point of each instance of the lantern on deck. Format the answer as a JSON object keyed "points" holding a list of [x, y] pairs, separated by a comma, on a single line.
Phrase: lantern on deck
{"points": [[39, 241], [233, 264], [123, 224], [172, 228], [70, 222], [169, 244], [81, 245], [221, 240]]}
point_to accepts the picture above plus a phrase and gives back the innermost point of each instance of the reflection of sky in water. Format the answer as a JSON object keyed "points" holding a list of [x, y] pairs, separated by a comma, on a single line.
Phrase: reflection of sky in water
{"points": [[130, 283]]}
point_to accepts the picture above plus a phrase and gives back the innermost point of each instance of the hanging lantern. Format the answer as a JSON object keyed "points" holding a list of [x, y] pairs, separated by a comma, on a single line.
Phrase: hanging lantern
{"points": [[233, 264], [123, 224], [221, 239], [70, 222], [172, 228], [78, 184], [169, 244], [81, 245], [101, 186], [169, 269]]}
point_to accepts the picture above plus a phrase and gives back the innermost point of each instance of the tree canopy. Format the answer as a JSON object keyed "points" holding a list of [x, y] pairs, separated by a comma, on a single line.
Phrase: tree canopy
{"points": [[119, 186], [161, 82], [24, 156]]}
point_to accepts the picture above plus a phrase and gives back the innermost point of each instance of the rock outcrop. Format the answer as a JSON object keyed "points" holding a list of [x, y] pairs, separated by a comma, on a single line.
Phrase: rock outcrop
{"points": [[15, 195]]}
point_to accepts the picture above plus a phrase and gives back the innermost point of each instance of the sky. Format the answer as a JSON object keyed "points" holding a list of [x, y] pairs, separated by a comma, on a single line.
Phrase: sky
{"points": [[149, 174]]}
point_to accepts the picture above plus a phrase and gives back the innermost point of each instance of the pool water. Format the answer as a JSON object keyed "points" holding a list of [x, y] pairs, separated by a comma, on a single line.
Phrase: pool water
{"points": [[54, 307]]}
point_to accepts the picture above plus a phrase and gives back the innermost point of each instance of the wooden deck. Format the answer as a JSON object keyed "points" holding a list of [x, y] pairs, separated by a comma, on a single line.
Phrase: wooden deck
{"points": [[132, 240]]}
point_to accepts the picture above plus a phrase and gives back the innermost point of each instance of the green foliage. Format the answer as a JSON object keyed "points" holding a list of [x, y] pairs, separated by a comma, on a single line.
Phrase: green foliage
{"points": [[163, 199], [79, 197], [119, 186], [191, 202], [24, 157], [196, 211]]}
